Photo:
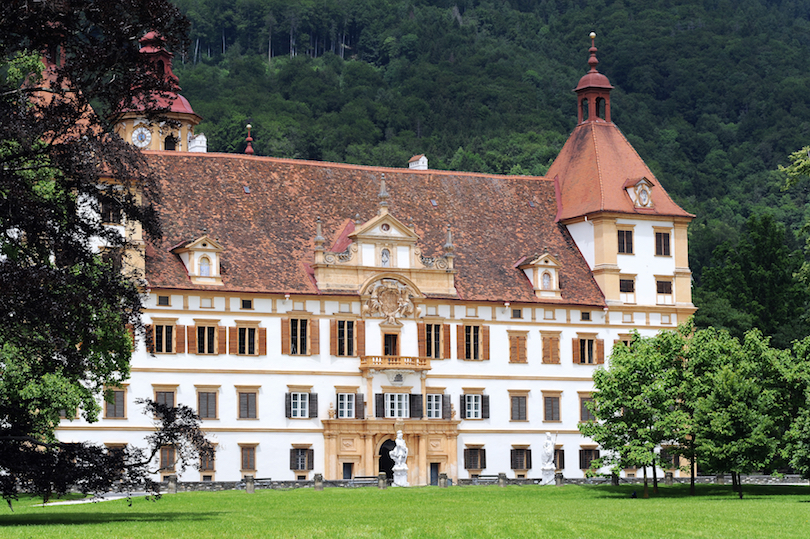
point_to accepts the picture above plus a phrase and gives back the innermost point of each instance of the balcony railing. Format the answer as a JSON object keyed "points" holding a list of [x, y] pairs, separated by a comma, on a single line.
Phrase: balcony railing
{"points": [[395, 362]]}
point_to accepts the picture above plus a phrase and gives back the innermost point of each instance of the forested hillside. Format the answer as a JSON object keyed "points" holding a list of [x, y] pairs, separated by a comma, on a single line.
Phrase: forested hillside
{"points": [[714, 95]]}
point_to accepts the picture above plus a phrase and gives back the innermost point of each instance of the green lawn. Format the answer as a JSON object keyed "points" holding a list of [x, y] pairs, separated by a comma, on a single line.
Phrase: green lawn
{"points": [[518, 511]]}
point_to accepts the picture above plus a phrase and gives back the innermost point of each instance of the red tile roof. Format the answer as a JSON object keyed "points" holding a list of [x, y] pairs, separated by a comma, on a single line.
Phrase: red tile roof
{"points": [[592, 170], [267, 234]]}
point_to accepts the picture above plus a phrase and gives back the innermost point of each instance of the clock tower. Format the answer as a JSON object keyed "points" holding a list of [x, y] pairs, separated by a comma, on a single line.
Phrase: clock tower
{"points": [[178, 133]]}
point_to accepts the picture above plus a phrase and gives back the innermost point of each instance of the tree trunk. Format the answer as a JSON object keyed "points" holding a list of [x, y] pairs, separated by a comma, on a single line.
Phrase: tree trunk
{"points": [[196, 51], [223, 41], [646, 492], [655, 475], [739, 488], [692, 469], [734, 482]]}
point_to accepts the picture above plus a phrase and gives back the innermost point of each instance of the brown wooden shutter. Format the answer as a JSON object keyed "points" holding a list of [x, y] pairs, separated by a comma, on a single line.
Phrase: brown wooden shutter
{"points": [[547, 353], [285, 336], [460, 342], [313, 405], [287, 405], [360, 335], [575, 346], [379, 405], [314, 337], [293, 460], [600, 350], [555, 350], [513, 459], [522, 344], [514, 355], [191, 338], [467, 459], [446, 411], [149, 338], [333, 337], [415, 402], [221, 339], [462, 406], [482, 458], [528, 463], [484, 407], [359, 406], [310, 459], [420, 333], [233, 340], [262, 336], [179, 339], [485, 342], [446, 341]]}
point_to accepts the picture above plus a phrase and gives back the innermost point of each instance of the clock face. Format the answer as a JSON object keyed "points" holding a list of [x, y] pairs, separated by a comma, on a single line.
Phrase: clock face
{"points": [[141, 137]]}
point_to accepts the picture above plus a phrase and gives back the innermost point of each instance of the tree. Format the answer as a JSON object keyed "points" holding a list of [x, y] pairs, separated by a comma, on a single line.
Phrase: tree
{"points": [[67, 312], [636, 402]]}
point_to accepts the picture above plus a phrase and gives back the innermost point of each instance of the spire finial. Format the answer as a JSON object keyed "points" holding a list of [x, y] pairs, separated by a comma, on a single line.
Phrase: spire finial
{"points": [[249, 140], [448, 245], [319, 239], [383, 196], [592, 61]]}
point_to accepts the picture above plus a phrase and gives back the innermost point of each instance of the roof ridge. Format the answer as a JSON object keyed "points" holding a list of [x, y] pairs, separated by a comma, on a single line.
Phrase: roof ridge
{"points": [[598, 171]]}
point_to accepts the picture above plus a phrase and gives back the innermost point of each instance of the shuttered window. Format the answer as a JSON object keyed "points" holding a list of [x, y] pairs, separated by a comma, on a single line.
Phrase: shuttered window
{"points": [[519, 408], [207, 404], [475, 458], [521, 459], [248, 458], [115, 408], [247, 405], [551, 408], [586, 456]]}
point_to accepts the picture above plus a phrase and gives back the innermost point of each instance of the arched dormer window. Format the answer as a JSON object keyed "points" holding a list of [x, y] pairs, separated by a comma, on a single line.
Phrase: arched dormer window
{"points": [[385, 258], [170, 143], [546, 281], [205, 267], [161, 68], [584, 105]]}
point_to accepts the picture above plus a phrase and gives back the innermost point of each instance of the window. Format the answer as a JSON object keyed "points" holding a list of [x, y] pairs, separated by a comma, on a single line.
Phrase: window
{"points": [[585, 413], [585, 316], [207, 404], [517, 346], [559, 459], [518, 313], [475, 406], [247, 303], [206, 340], [475, 458], [551, 407], [434, 406], [432, 341], [519, 412], [110, 212], [586, 456], [301, 459], [663, 289], [627, 289], [521, 458], [247, 404], [115, 406], [397, 405], [473, 342], [113, 257], [207, 462], [551, 347], [344, 337], [247, 341], [662, 244], [164, 397], [205, 267], [164, 338], [391, 344], [163, 301], [588, 350], [167, 458], [299, 403], [248, 458], [626, 242], [345, 406], [298, 336], [667, 460]]}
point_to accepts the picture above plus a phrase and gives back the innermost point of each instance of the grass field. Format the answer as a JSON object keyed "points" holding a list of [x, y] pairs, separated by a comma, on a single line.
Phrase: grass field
{"points": [[517, 511]]}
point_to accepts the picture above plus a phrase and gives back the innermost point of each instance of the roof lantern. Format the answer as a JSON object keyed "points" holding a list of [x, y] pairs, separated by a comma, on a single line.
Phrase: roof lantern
{"points": [[593, 91]]}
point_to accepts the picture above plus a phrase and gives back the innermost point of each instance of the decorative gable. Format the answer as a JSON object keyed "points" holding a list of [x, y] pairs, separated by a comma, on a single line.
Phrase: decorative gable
{"points": [[640, 192], [543, 272], [202, 258]]}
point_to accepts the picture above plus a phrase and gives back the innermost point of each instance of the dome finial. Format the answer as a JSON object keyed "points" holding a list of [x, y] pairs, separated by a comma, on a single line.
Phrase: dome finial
{"points": [[249, 140], [592, 61]]}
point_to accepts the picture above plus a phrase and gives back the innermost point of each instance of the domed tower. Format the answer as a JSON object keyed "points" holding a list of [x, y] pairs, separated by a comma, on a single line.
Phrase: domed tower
{"points": [[632, 234], [132, 124]]}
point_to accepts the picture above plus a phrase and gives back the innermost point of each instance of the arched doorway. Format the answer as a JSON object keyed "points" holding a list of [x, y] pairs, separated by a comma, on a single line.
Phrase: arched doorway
{"points": [[386, 462]]}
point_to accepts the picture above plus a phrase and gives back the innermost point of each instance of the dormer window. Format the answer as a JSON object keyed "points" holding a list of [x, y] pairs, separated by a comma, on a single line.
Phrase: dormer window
{"points": [[544, 274], [640, 191], [202, 259], [546, 281]]}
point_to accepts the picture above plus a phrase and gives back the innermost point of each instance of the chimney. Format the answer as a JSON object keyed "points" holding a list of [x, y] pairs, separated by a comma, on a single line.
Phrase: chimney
{"points": [[418, 162]]}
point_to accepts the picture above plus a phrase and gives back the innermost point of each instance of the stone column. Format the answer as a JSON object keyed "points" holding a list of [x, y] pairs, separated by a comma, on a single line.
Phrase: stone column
{"points": [[368, 455], [501, 479], [720, 479], [318, 481], [423, 478], [250, 486], [382, 482], [172, 484], [558, 479], [442, 480], [668, 478]]}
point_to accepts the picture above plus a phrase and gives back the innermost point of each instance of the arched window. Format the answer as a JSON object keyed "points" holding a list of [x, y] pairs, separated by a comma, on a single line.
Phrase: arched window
{"points": [[170, 143], [600, 107], [546, 281], [385, 258], [584, 105], [161, 68], [205, 267]]}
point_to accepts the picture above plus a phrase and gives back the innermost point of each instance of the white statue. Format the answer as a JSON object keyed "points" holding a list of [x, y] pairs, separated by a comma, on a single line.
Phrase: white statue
{"points": [[399, 455], [548, 467]]}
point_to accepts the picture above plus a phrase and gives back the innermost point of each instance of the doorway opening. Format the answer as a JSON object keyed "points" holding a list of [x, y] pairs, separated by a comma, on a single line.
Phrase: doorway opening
{"points": [[386, 462]]}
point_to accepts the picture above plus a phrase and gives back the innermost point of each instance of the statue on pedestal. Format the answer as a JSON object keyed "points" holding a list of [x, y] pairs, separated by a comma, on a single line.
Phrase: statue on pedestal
{"points": [[399, 455], [547, 467]]}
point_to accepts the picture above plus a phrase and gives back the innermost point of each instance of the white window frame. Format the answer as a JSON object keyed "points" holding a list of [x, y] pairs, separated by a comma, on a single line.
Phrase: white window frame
{"points": [[433, 404], [397, 405], [345, 405], [299, 405], [472, 406]]}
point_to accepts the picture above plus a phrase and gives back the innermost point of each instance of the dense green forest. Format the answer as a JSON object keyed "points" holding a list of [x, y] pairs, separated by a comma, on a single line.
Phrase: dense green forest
{"points": [[713, 94]]}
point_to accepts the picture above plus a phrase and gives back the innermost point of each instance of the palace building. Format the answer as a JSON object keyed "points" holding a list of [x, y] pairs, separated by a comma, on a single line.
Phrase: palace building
{"points": [[309, 310]]}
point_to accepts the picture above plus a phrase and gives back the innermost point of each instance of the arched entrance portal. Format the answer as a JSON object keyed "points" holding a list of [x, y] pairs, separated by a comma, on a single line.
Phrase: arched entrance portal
{"points": [[386, 462]]}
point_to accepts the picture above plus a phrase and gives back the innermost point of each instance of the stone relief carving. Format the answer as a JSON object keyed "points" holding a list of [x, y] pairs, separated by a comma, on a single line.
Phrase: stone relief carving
{"points": [[390, 299], [341, 258]]}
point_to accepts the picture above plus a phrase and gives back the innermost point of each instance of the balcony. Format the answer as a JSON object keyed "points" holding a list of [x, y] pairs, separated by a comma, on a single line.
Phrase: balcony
{"points": [[394, 362]]}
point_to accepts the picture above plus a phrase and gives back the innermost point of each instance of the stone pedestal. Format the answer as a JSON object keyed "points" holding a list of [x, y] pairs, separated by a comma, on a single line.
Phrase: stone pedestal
{"points": [[250, 486], [318, 481], [172, 484], [382, 482], [501, 479], [442, 480], [547, 475], [668, 478], [401, 475], [558, 479], [720, 479]]}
